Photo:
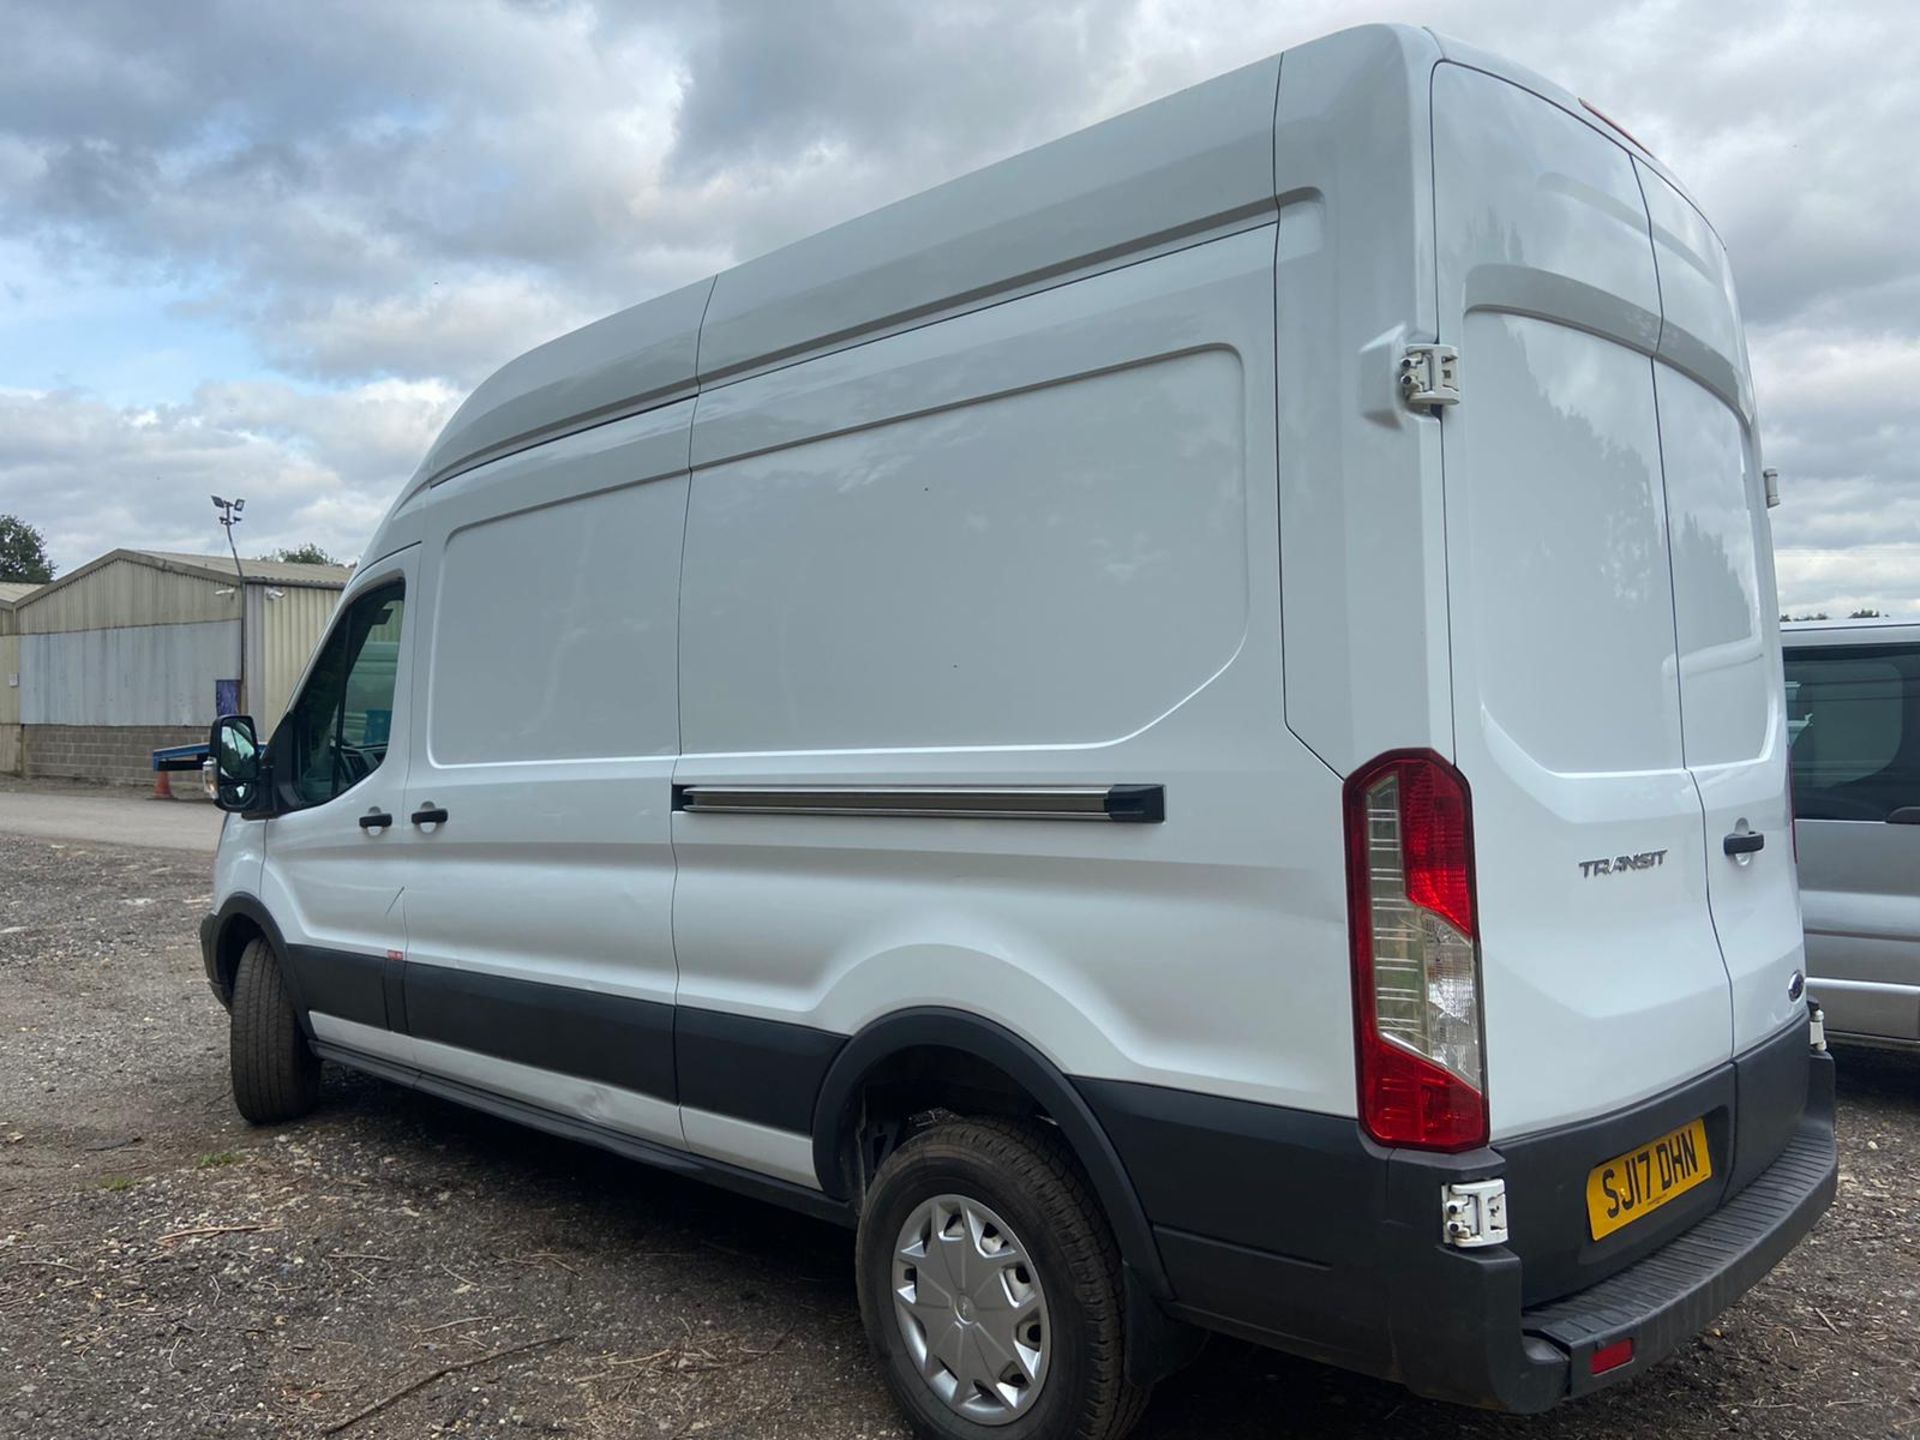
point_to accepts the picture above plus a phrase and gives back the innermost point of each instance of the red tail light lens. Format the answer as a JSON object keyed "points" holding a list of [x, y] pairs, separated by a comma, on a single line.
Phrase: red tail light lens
{"points": [[1433, 830], [1416, 970]]}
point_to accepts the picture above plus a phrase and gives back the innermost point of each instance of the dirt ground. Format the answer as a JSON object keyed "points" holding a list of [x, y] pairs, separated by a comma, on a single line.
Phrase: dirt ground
{"points": [[167, 1271]]}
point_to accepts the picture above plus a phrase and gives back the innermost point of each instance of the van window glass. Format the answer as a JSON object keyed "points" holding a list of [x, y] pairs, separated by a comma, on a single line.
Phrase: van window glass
{"points": [[1853, 722], [554, 632], [337, 729]]}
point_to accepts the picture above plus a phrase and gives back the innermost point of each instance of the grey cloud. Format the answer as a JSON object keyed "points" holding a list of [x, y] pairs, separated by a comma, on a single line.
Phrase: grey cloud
{"points": [[372, 436], [286, 166], [312, 466], [770, 81], [616, 151], [418, 191]]}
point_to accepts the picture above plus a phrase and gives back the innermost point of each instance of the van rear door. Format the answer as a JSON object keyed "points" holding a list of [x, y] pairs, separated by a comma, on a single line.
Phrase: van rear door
{"points": [[1603, 979], [1732, 697]]}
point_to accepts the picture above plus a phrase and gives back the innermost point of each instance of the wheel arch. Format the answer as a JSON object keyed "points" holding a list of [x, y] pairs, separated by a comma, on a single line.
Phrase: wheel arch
{"points": [[237, 923], [837, 1115]]}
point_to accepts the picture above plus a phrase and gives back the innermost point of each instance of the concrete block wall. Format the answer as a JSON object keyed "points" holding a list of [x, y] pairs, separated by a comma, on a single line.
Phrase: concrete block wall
{"points": [[117, 754]]}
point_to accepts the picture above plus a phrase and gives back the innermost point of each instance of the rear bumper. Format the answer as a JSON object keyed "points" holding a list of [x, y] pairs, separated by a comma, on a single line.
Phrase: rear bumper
{"points": [[1666, 1299], [1295, 1231]]}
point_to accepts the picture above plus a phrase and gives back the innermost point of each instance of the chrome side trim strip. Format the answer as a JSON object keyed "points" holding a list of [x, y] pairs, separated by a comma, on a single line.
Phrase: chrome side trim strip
{"points": [[1124, 804]]}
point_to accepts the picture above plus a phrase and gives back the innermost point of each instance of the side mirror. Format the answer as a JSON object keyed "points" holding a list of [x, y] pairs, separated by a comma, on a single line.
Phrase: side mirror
{"points": [[235, 754]]}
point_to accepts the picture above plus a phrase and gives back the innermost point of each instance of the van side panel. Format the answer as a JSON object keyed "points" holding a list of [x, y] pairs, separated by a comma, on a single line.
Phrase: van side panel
{"points": [[988, 604], [1363, 555], [1073, 495]]}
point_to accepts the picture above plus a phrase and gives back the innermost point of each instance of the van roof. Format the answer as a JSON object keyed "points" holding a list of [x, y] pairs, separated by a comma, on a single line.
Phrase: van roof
{"points": [[1197, 163]]}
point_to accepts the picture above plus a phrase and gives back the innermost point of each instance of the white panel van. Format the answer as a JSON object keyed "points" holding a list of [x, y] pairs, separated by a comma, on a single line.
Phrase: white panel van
{"points": [[1187, 731]]}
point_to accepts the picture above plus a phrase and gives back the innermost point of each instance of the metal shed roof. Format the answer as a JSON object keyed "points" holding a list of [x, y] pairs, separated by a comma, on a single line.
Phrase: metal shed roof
{"points": [[14, 591], [270, 572], [206, 567]]}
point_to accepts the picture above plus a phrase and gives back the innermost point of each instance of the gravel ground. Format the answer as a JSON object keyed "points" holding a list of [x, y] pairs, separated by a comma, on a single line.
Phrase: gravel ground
{"points": [[167, 1271]]}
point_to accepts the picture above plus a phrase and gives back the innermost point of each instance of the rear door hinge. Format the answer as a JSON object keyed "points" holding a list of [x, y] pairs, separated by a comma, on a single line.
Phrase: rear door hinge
{"points": [[1473, 1213], [1430, 376]]}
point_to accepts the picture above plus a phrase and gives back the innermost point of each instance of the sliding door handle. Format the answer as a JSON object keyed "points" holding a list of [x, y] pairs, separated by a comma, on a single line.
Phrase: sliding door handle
{"points": [[375, 819], [429, 815], [1743, 842]]}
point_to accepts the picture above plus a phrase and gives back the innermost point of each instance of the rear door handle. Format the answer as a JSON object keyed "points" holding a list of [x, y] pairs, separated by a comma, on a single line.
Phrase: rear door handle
{"points": [[429, 815], [375, 820], [1743, 842]]}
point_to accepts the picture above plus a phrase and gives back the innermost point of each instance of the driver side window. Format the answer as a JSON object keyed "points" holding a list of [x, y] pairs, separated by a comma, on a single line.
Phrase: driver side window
{"points": [[337, 730]]}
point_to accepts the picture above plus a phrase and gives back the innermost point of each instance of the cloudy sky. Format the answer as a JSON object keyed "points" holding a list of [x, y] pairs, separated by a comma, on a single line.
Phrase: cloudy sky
{"points": [[265, 248]]}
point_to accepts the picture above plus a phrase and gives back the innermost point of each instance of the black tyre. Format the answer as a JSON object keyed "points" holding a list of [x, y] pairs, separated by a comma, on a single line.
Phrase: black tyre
{"points": [[276, 1077], [990, 1287]]}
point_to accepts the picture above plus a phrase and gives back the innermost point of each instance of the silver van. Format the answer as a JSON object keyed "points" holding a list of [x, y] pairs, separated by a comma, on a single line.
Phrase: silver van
{"points": [[1038, 725], [1853, 720]]}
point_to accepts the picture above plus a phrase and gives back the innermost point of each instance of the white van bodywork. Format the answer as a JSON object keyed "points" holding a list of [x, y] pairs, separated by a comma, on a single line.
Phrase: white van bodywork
{"points": [[965, 643]]}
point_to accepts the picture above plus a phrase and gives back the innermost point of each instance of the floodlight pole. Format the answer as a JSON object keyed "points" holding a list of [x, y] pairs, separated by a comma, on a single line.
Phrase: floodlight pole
{"points": [[230, 517]]}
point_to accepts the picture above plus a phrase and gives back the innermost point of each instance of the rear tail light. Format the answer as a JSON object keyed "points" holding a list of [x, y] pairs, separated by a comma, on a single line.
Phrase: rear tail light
{"points": [[1416, 970]]}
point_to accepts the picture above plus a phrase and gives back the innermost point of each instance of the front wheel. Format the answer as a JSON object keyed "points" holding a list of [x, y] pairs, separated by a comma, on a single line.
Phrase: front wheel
{"points": [[990, 1287], [276, 1076]]}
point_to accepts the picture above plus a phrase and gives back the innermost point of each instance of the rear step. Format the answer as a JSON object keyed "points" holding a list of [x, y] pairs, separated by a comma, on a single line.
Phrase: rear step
{"points": [[1644, 1313]]}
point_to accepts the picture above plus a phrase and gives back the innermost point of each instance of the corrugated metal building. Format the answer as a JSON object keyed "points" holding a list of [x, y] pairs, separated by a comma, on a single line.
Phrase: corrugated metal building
{"points": [[11, 594], [141, 648]]}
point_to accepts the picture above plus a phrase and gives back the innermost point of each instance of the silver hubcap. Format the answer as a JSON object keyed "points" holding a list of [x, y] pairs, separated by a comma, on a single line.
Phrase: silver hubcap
{"points": [[971, 1309]]}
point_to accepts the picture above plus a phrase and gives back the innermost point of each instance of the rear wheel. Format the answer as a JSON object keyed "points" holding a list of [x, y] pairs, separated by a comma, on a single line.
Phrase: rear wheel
{"points": [[990, 1287], [276, 1076]]}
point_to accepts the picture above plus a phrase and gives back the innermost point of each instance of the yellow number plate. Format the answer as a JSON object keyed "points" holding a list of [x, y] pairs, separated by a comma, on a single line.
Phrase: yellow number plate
{"points": [[1641, 1181]]}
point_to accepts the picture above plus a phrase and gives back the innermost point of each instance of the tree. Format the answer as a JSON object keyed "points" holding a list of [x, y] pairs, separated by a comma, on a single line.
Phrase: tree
{"points": [[308, 554], [1866, 615], [23, 552]]}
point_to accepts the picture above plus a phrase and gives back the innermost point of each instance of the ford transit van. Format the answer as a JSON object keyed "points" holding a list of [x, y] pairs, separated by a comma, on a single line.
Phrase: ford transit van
{"points": [[1187, 731]]}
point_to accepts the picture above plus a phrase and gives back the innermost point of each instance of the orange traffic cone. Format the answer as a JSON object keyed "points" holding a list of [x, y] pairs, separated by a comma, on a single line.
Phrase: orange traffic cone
{"points": [[161, 789]]}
